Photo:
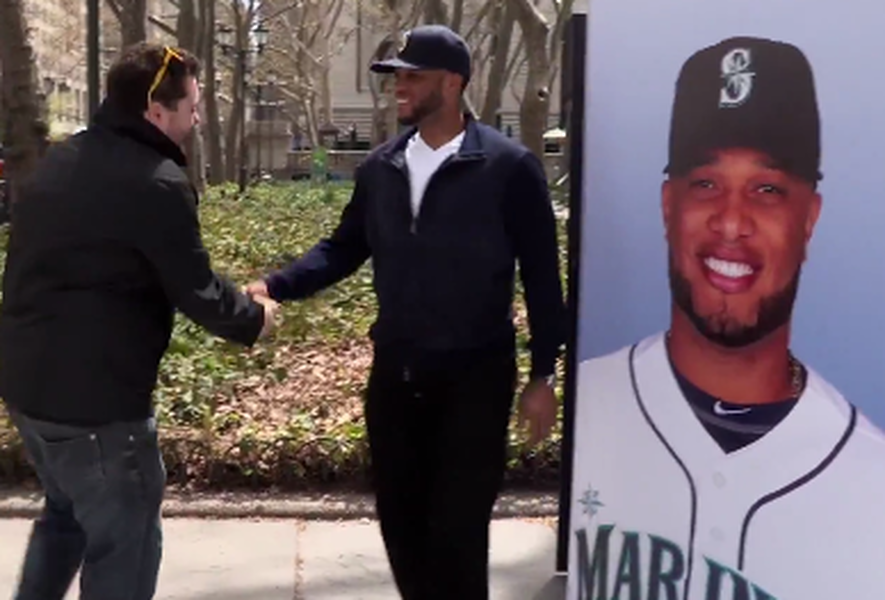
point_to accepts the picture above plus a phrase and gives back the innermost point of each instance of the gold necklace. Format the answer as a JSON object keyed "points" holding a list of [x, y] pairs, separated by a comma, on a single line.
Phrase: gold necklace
{"points": [[797, 379], [796, 371]]}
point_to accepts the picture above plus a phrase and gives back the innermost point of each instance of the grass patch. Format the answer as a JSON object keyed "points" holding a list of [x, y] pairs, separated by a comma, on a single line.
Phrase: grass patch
{"points": [[288, 413]]}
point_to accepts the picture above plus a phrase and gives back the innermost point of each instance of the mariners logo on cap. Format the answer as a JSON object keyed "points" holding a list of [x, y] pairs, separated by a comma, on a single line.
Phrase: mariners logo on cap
{"points": [[403, 41], [737, 78]]}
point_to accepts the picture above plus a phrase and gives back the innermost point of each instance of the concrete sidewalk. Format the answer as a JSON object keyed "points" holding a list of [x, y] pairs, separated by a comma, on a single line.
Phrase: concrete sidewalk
{"points": [[290, 559]]}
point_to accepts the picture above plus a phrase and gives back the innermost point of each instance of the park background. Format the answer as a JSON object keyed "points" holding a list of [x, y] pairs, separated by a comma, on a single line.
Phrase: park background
{"points": [[289, 109]]}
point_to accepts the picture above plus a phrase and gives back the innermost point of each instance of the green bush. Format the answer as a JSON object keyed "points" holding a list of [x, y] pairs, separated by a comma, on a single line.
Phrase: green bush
{"points": [[287, 413]]}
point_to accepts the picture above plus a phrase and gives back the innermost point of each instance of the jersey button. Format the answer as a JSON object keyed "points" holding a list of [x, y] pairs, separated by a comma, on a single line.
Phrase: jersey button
{"points": [[719, 480]]}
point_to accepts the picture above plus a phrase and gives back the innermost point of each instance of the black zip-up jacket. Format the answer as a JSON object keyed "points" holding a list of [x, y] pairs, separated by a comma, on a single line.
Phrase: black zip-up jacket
{"points": [[105, 245], [445, 280]]}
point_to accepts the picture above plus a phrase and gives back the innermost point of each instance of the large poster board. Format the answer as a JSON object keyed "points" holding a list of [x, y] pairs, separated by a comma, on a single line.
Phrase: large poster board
{"points": [[730, 388]]}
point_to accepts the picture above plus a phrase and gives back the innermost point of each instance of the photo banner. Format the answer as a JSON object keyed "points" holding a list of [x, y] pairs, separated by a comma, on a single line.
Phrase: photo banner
{"points": [[730, 360]]}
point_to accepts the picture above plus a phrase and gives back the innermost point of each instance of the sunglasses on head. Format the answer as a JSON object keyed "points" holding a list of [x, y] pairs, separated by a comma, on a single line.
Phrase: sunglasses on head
{"points": [[168, 54]]}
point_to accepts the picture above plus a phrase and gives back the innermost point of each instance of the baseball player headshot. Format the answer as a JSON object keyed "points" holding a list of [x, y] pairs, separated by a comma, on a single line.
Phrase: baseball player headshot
{"points": [[711, 463]]}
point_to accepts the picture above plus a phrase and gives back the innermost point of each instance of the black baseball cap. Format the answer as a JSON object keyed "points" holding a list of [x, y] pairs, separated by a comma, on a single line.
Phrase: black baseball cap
{"points": [[429, 47], [747, 92]]}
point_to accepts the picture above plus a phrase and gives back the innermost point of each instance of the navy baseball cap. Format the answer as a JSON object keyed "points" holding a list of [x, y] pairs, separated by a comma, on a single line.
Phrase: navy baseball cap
{"points": [[747, 92], [429, 47]]}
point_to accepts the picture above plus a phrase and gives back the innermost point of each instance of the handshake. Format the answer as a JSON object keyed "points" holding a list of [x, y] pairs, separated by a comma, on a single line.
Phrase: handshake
{"points": [[257, 291]]}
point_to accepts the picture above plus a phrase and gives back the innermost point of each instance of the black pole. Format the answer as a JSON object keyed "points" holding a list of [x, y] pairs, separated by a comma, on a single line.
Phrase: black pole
{"points": [[576, 49], [92, 48], [243, 159], [259, 108], [272, 136]]}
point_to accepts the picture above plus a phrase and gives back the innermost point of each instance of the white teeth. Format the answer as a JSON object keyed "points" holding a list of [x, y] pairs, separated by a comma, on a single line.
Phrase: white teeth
{"points": [[727, 268]]}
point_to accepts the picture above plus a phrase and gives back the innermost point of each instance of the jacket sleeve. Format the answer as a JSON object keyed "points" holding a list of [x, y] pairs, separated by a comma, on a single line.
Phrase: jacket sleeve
{"points": [[169, 236], [331, 260], [532, 228]]}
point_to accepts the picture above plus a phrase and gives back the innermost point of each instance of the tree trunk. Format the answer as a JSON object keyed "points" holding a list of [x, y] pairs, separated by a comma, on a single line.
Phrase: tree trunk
{"points": [[323, 76], [457, 15], [506, 18], [435, 12], [232, 135], [25, 132], [536, 99], [132, 16], [189, 36], [234, 145], [212, 139], [133, 21]]}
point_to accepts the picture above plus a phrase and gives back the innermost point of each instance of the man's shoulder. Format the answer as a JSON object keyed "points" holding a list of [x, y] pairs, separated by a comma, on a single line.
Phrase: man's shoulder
{"points": [[114, 155], [495, 143], [168, 174], [387, 148], [617, 361], [865, 442]]}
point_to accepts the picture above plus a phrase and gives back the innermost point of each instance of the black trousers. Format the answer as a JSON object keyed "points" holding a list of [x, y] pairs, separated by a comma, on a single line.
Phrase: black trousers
{"points": [[438, 437]]}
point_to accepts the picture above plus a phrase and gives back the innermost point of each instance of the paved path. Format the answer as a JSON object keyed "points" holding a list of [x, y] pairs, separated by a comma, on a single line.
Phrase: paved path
{"points": [[240, 559]]}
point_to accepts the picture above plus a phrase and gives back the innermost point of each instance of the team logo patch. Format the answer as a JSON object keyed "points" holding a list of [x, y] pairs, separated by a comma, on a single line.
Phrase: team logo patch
{"points": [[591, 502], [403, 42], [737, 78]]}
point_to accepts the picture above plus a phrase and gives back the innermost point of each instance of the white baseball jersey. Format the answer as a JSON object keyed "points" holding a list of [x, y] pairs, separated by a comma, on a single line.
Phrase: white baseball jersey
{"points": [[660, 512]]}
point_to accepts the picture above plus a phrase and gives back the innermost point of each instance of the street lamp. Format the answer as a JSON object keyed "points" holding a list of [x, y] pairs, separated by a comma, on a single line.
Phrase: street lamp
{"points": [[226, 40], [260, 34]]}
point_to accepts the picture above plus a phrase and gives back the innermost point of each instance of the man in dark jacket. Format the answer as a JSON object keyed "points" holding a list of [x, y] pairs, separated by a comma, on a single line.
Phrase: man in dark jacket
{"points": [[445, 211], [105, 246]]}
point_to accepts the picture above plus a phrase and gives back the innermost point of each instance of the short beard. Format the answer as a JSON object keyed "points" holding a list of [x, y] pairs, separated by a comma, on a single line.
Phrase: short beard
{"points": [[430, 105], [774, 312]]}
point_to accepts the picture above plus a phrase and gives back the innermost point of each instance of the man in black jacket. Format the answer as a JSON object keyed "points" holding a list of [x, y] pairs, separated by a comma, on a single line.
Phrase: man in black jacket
{"points": [[105, 246], [445, 212]]}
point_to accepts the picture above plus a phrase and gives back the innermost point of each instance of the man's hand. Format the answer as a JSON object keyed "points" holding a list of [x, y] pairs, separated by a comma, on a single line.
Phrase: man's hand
{"points": [[271, 313], [256, 288], [537, 409]]}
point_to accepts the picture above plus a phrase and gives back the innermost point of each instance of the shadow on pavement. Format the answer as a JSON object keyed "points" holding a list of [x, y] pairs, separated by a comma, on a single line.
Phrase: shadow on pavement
{"points": [[531, 577], [254, 593], [554, 589]]}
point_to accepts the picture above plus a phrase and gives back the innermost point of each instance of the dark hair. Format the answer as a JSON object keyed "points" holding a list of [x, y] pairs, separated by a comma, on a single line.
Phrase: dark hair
{"points": [[130, 77]]}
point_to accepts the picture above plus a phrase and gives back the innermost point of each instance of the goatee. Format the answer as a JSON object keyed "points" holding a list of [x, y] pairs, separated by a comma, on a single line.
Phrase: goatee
{"points": [[775, 311]]}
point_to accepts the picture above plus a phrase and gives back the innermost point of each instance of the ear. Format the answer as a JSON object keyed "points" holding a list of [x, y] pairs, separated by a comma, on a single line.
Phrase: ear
{"points": [[667, 204], [454, 83], [154, 113], [814, 208]]}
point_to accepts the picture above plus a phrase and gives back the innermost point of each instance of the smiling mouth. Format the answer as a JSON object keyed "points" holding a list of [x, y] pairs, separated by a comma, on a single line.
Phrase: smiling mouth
{"points": [[729, 276], [728, 268]]}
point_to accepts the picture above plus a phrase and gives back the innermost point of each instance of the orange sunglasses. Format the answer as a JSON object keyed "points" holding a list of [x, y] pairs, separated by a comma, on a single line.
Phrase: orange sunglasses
{"points": [[168, 54]]}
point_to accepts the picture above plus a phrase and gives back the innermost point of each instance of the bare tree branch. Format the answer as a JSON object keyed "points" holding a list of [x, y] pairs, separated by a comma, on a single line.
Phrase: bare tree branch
{"points": [[115, 8], [159, 24], [457, 15], [480, 17]]}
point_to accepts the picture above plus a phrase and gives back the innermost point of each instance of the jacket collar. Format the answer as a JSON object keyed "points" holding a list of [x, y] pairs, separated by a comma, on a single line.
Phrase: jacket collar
{"points": [[139, 129], [472, 147]]}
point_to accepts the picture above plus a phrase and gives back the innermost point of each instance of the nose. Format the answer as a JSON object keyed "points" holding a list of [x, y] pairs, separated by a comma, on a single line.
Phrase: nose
{"points": [[732, 220], [399, 85]]}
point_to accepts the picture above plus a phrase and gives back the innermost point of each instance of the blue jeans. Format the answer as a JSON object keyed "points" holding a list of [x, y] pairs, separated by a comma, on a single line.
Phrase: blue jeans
{"points": [[103, 494]]}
